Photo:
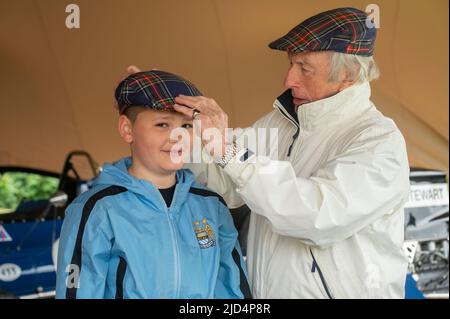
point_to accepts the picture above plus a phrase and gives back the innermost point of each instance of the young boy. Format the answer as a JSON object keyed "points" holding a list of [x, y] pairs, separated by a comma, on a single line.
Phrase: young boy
{"points": [[146, 229]]}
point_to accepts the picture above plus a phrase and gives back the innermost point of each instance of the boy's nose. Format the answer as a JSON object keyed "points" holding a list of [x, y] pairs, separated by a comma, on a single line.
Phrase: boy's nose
{"points": [[174, 139]]}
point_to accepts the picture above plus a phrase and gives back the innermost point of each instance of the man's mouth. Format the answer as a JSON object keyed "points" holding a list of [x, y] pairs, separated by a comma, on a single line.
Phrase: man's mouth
{"points": [[299, 101]]}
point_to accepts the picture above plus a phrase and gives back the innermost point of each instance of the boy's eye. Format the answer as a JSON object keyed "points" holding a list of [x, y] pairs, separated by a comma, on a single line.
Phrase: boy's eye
{"points": [[163, 125], [187, 125]]}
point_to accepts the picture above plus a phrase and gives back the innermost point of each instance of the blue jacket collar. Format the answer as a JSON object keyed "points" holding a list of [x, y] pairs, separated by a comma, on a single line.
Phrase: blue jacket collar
{"points": [[117, 174]]}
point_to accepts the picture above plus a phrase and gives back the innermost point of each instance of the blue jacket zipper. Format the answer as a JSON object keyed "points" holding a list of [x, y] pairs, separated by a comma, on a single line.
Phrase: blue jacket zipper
{"points": [[175, 250]]}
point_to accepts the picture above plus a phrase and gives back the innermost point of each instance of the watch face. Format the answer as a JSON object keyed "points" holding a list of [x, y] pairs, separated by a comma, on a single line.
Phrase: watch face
{"points": [[246, 155]]}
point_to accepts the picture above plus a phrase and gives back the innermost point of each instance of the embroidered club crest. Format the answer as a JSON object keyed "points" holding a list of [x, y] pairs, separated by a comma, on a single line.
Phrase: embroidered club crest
{"points": [[204, 233]]}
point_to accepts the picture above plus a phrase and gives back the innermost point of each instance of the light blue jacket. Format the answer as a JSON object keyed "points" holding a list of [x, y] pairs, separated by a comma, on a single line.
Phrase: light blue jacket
{"points": [[119, 240]]}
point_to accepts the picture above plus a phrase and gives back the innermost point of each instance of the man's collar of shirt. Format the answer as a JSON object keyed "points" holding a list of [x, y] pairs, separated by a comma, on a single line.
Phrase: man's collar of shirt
{"points": [[341, 106]]}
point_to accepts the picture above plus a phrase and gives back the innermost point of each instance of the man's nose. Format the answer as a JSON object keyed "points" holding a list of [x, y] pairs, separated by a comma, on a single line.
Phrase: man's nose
{"points": [[291, 79]]}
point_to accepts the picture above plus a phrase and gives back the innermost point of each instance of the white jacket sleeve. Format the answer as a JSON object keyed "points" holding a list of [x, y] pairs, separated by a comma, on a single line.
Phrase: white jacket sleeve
{"points": [[369, 179], [212, 176]]}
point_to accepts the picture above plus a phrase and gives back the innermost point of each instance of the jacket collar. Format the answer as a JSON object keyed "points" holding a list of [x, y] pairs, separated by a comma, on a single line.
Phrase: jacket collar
{"points": [[117, 174], [344, 105]]}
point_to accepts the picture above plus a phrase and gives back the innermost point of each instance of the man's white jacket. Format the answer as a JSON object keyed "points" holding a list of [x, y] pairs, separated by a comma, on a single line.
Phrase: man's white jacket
{"points": [[327, 199]]}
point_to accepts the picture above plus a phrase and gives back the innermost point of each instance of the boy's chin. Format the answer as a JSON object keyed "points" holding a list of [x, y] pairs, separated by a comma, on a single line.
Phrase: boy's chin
{"points": [[173, 167]]}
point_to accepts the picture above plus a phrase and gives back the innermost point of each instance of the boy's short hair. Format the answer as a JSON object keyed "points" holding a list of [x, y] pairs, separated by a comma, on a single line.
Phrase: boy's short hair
{"points": [[133, 111], [151, 89]]}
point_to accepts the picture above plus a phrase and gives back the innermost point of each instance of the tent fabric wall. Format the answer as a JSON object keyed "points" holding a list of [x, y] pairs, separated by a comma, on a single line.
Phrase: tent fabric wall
{"points": [[56, 84]]}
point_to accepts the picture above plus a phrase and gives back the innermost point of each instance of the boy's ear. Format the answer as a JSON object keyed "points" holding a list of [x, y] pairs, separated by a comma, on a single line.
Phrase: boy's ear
{"points": [[125, 129]]}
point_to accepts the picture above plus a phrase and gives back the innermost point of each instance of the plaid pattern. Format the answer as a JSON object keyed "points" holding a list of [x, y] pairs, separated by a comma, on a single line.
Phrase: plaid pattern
{"points": [[341, 30], [153, 89]]}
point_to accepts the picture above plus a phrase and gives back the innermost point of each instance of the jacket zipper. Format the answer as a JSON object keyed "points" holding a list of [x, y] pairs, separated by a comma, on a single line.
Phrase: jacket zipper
{"points": [[175, 250], [294, 137], [322, 278], [297, 133]]}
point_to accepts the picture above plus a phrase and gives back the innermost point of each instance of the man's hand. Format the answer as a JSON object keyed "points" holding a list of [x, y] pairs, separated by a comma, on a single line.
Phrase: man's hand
{"points": [[133, 69], [213, 121]]}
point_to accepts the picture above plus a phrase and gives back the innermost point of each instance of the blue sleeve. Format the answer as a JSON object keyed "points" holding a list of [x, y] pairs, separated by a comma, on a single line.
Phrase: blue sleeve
{"points": [[232, 277], [83, 253]]}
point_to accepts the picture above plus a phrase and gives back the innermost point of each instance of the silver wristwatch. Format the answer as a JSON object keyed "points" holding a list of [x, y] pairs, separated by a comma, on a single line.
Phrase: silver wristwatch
{"points": [[230, 152]]}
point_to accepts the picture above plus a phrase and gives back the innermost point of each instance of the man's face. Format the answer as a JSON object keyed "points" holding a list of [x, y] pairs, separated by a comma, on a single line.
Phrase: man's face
{"points": [[307, 77], [152, 144]]}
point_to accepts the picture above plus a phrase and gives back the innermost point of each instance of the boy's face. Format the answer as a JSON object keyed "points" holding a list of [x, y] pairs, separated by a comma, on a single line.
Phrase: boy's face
{"points": [[156, 140]]}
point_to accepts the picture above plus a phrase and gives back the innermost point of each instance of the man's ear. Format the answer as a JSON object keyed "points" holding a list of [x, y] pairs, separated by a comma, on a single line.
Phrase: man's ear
{"points": [[125, 128], [346, 82]]}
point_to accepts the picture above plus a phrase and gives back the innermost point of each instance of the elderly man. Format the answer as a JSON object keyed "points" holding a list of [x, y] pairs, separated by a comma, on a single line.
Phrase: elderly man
{"points": [[327, 206]]}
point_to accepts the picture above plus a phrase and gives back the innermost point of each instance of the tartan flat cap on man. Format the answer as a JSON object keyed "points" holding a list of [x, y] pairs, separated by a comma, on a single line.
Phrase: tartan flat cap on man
{"points": [[342, 30], [153, 89]]}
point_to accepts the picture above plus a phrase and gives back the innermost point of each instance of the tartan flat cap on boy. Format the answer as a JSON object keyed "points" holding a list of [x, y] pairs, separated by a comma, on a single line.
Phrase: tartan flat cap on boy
{"points": [[153, 89], [341, 30]]}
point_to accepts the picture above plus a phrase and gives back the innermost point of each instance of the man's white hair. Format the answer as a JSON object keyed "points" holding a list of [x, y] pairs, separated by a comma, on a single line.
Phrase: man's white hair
{"points": [[358, 68]]}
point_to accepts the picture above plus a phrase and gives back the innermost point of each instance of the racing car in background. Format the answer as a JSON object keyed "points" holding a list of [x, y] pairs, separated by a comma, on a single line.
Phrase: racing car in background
{"points": [[29, 233], [426, 232]]}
